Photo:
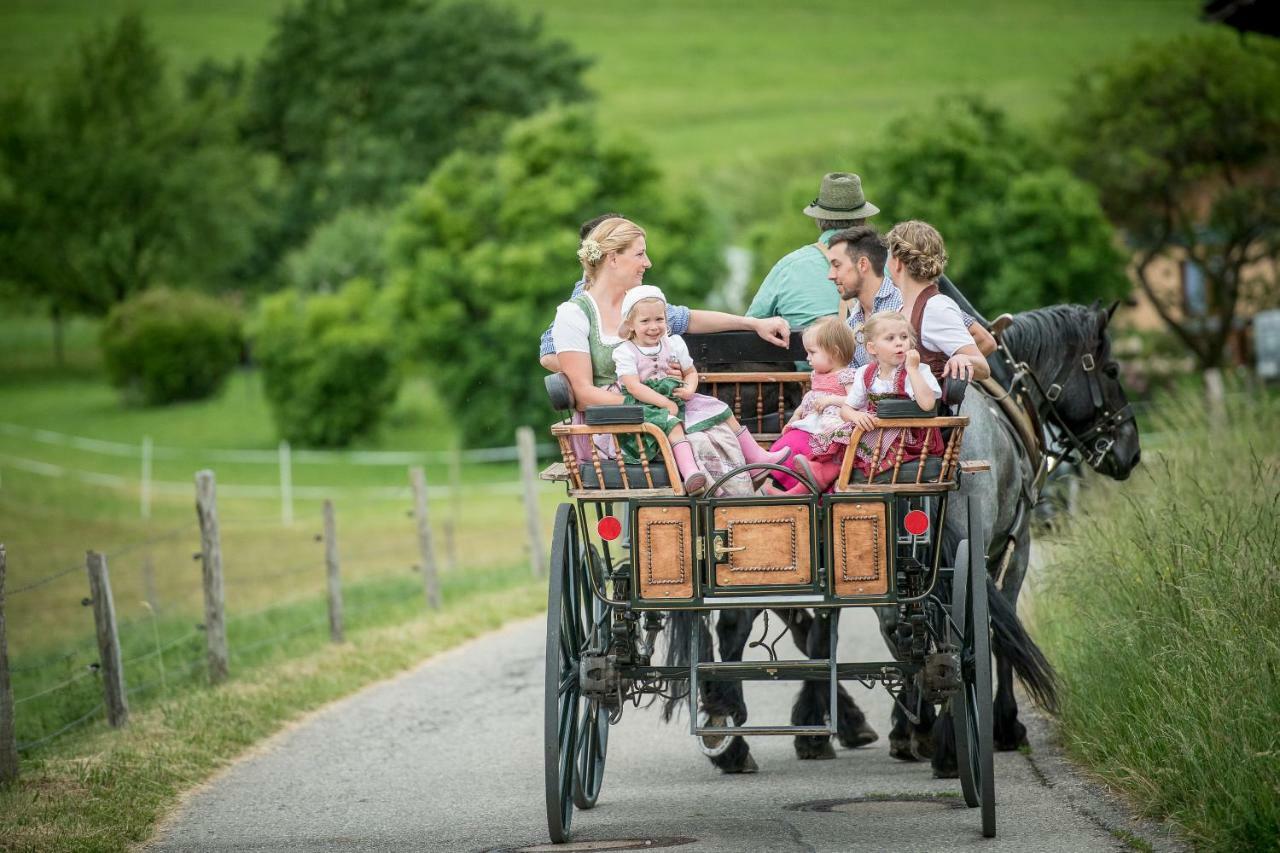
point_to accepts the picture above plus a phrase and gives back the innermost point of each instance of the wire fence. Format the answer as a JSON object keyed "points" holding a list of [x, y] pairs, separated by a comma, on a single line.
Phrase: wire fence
{"points": [[69, 671]]}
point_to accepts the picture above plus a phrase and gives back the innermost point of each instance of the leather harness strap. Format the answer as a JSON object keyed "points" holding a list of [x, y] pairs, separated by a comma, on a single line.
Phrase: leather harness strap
{"points": [[1021, 415], [936, 360]]}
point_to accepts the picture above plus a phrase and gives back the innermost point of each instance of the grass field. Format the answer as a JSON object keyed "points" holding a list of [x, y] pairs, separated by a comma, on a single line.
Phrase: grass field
{"points": [[274, 574], [1159, 608], [725, 90]]}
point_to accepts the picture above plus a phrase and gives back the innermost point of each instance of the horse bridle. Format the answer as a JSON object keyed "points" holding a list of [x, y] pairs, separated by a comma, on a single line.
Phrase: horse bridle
{"points": [[1090, 446]]}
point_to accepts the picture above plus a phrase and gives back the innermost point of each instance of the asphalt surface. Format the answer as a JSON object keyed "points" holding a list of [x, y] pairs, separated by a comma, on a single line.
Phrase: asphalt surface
{"points": [[449, 757]]}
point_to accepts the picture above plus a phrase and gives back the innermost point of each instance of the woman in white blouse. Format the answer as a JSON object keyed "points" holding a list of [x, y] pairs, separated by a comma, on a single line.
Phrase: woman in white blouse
{"points": [[614, 260], [917, 257]]}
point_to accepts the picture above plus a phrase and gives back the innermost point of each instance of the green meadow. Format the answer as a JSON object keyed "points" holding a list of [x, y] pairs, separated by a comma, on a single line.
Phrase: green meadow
{"points": [[727, 90]]}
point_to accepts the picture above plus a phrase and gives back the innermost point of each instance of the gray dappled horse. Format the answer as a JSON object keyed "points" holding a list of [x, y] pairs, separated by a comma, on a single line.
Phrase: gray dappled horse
{"points": [[1059, 360]]}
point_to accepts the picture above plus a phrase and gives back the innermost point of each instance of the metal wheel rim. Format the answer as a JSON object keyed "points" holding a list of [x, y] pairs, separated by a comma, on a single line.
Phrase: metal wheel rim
{"points": [[593, 743], [562, 700], [971, 707], [593, 729]]}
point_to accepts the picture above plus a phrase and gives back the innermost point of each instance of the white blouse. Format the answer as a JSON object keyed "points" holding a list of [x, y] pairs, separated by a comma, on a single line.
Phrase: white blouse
{"points": [[942, 328], [626, 361], [571, 332]]}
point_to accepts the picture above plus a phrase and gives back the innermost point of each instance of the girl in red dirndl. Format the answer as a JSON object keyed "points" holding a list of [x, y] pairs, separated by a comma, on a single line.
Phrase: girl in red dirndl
{"points": [[894, 373]]}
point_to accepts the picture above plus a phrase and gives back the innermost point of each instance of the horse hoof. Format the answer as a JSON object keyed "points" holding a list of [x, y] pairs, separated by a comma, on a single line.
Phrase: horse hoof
{"points": [[952, 773], [1005, 743], [811, 751], [864, 735], [713, 746], [748, 765], [900, 748]]}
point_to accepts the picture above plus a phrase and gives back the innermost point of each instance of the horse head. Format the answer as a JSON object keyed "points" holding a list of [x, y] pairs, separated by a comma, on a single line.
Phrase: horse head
{"points": [[1074, 383]]}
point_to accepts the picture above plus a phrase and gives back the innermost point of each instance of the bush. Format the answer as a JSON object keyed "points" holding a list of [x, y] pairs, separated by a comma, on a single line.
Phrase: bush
{"points": [[329, 364], [163, 345], [1160, 611]]}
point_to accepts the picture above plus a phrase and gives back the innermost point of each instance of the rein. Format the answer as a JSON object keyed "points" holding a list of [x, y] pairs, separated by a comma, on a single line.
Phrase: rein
{"points": [[1090, 446]]}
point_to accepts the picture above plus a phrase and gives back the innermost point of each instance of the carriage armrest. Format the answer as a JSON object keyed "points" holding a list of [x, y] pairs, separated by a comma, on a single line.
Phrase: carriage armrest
{"points": [[953, 391], [897, 409], [608, 414], [974, 466], [560, 392]]}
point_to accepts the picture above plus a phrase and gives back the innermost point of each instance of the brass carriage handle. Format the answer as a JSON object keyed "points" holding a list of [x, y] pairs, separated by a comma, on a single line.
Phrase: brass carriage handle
{"points": [[719, 549]]}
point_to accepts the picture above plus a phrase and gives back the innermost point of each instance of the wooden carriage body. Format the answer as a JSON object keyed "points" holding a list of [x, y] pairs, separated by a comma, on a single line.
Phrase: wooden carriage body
{"points": [[845, 548]]}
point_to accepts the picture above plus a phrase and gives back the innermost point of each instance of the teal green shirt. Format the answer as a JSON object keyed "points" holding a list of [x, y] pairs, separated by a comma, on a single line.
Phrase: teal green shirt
{"points": [[797, 288]]}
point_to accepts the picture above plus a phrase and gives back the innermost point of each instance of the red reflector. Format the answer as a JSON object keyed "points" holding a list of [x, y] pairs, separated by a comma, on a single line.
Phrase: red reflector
{"points": [[916, 522], [610, 528]]}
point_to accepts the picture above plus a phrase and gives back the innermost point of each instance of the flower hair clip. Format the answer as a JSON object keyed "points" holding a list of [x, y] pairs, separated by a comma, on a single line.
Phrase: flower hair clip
{"points": [[590, 252]]}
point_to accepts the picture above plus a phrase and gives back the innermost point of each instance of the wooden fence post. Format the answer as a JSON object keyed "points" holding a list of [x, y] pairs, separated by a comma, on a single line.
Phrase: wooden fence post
{"points": [[453, 520], [104, 621], [286, 484], [529, 477], [215, 629], [430, 581], [331, 570], [8, 734], [144, 491]]}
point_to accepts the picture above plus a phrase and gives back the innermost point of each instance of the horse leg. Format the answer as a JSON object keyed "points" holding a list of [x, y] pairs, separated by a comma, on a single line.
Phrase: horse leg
{"points": [[1008, 733], [851, 724], [723, 700], [810, 708]]}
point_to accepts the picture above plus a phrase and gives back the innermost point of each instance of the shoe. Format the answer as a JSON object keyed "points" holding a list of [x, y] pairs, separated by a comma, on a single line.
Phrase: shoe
{"points": [[696, 483], [759, 475], [805, 472]]}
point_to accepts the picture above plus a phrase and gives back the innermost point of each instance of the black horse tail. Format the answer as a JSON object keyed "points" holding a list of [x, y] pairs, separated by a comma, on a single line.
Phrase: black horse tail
{"points": [[1011, 641], [679, 630]]}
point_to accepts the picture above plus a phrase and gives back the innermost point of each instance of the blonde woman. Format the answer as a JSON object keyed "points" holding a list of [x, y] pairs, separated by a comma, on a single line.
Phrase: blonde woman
{"points": [[614, 260], [917, 257]]}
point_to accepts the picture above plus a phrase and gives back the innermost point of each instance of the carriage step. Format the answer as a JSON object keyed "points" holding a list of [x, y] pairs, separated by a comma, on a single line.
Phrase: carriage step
{"points": [[703, 731]]}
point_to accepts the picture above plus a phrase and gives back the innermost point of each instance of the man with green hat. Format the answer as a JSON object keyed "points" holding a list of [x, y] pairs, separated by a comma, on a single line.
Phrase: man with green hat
{"points": [[797, 288]]}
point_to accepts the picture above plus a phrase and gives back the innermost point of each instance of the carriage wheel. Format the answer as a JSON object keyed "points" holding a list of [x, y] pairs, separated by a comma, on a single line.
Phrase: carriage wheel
{"points": [[971, 707], [593, 728], [567, 627]]}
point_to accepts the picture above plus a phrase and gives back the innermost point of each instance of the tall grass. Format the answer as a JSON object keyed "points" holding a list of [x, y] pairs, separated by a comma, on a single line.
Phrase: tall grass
{"points": [[1162, 611]]}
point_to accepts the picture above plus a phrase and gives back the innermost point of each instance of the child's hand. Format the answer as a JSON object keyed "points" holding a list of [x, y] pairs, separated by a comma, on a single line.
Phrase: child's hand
{"points": [[830, 400], [684, 392], [913, 360], [862, 420]]}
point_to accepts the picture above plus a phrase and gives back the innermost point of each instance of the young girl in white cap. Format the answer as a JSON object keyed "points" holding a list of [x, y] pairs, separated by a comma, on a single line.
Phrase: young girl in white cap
{"points": [[655, 371]]}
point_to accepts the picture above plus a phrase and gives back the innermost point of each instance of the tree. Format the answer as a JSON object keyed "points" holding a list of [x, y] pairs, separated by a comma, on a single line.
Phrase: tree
{"points": [[1021, 231], [1183, 141], [330, 363], [483, 252], [359, 99], [114, 183], [346, 247]]}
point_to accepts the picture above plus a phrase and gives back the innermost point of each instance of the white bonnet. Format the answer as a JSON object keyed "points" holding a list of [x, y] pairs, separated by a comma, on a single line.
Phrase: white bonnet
{"points": [[635, 294]]}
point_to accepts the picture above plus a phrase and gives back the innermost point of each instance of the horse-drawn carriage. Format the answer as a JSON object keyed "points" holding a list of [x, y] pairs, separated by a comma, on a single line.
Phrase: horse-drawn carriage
{"points": [[631, 553]]}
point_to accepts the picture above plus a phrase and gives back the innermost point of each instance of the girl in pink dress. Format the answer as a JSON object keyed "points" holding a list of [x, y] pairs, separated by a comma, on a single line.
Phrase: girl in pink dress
{"points": [[816, 434], [655, 371]]}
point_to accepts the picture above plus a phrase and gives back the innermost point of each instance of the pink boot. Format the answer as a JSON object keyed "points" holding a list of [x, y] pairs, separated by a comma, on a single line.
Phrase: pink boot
{"points": [[753, 453], [695, 479]]}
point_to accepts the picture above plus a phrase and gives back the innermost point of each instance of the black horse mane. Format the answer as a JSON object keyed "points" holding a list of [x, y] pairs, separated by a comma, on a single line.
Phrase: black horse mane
{"points": [[1047, 336]]}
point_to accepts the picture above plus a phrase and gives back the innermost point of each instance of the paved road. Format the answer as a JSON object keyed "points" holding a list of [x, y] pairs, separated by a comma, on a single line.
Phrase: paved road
{"points": [[449, 757]]}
